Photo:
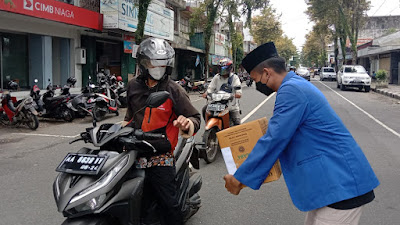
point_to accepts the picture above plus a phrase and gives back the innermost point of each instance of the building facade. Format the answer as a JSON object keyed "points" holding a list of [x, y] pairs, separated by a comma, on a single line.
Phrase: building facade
{"points": [[39, 40], [382, 53]]}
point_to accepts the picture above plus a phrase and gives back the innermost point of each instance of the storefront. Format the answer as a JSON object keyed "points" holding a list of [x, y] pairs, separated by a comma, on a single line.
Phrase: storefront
{"points": [[188, 62], [14, 59], [107, 52], [39, 41], [121, 19]]}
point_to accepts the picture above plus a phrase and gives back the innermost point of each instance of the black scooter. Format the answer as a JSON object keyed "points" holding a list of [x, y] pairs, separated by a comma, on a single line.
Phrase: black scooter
{"points": [[58, 107], [86, 100], [103, 186]]}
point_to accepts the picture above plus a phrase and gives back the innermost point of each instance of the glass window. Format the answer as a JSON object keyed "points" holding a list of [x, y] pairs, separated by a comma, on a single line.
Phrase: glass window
{"points": [[15, 59], [329, 70]]}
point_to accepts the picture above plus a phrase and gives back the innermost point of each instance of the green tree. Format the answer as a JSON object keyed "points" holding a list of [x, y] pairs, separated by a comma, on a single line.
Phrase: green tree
{"points": [[285, 47], [249, 6], [204, 18], [313, 52], [143, 6], [343, 18], [205, 15], [266, 27]]}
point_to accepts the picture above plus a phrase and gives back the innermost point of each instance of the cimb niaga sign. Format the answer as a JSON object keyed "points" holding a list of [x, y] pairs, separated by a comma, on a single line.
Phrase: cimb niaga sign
{"points": [[55, 11]]}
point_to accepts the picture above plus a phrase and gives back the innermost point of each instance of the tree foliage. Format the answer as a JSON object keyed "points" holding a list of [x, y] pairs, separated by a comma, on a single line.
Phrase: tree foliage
{"points": [[313, 53], [267, 27], [343, 18], [249, 6], [204, 16], [285, 47]]}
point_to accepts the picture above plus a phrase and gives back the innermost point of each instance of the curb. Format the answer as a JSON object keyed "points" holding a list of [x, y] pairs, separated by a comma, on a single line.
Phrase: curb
{"points": [[387, 93]]}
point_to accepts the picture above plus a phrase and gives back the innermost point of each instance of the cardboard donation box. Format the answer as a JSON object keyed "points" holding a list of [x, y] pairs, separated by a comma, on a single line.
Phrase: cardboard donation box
{"points": [[237, 142]]}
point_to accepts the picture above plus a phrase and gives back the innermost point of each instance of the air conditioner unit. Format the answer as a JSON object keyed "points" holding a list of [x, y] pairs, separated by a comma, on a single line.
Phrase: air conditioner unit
{"points": [[80, 56]]}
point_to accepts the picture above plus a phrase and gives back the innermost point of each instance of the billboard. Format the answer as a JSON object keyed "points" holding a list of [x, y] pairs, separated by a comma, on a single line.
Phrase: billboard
{"points": [[123, 14]]}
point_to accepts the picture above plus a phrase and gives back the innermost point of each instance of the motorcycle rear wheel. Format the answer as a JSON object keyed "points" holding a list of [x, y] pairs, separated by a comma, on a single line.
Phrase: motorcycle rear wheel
{"points": [[68, 115], [32, 121], [98, 113], [81, 113], [212, 146]]}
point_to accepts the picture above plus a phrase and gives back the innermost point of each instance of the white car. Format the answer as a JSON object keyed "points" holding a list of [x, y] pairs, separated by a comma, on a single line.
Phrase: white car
{"points": [[303, 72], [353, 76], [327, 73]]}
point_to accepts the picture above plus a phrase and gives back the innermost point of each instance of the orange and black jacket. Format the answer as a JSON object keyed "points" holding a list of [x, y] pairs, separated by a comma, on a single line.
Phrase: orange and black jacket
{"points": [[160, 120]]}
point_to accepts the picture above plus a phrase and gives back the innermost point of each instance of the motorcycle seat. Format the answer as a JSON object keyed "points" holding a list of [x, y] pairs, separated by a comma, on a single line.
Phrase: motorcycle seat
{"points": [[51, 99]]}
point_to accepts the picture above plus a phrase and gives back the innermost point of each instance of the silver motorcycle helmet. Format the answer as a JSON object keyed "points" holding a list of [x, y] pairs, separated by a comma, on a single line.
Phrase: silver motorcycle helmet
{"points": [[156, 58]]}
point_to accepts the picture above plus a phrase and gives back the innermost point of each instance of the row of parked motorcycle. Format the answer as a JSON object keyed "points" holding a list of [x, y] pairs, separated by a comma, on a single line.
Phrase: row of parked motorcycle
{"points": [[100, 99]]}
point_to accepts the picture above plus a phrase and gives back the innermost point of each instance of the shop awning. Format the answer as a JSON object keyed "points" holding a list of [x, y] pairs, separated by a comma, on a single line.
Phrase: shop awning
{"points": [[55, 11], [189, 48]]}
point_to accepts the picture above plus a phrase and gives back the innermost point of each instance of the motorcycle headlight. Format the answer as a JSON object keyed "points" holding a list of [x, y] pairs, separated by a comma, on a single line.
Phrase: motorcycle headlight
{"points": [[90, 205], [103, 181], [57, 184], [217, 97], [226, 96]]}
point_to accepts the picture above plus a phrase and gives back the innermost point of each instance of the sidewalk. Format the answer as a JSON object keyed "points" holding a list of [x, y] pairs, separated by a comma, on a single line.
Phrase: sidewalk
{"points": [[391, 91]]}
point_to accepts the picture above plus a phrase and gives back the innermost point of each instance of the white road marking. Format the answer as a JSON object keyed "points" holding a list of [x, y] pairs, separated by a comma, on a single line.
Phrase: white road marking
{"points": [[47, 135], [257, 108], [366, 113]]}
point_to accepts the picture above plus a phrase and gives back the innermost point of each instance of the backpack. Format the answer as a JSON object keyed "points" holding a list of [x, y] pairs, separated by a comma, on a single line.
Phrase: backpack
{"points": [[227, 87]]}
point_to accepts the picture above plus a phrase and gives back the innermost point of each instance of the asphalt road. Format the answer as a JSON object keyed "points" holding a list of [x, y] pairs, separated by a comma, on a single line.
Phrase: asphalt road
{"points": [[28, 160]]}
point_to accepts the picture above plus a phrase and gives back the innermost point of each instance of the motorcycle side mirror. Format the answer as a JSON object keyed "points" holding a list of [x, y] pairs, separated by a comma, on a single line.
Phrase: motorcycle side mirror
{"points": [[156, 99], [91, 114]]}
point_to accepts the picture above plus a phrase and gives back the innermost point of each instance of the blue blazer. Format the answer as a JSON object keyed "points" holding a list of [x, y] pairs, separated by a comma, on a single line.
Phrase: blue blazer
{"points": [[321, 162]]}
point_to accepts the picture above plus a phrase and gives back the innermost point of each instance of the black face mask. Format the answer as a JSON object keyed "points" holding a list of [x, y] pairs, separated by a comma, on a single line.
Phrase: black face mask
{"points": [[263, 88]]}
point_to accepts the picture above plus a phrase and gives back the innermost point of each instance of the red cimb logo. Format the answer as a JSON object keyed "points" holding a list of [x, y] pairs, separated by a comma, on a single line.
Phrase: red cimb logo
{"points": [[28, 5]]}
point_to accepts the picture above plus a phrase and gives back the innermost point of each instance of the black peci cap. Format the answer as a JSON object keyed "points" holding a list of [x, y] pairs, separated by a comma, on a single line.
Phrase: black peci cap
{"points": [[259, 55]]}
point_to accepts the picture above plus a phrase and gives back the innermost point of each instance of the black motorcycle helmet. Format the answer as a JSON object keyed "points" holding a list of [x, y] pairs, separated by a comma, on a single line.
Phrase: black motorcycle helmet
{"points": [[156, 58], [71, 81], [12, 85], [113, 79]]}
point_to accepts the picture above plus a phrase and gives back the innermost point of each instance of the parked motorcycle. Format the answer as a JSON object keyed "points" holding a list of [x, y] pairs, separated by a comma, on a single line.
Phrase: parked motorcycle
{"points": [[36, 96], [103, 186], [106, 101], [86, 100], [217, 119], [13, 112], [59, 107], [119, 88], [249, 82]]}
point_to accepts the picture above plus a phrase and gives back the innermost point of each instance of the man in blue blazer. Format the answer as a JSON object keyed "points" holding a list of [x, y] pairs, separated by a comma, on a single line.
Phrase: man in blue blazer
{"points": [[325, 170]]}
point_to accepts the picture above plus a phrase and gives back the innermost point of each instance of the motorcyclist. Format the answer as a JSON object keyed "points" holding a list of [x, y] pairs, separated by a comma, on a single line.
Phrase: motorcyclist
{"points": [[176, 116], [220, 81]]}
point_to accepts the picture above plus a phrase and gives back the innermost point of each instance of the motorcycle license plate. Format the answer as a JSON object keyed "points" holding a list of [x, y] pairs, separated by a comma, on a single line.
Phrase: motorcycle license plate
{"points": [[83, 164], [215, 107]]}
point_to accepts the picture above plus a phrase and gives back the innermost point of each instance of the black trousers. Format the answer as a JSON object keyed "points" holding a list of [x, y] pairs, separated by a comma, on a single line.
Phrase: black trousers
{"points": [[160, 185]]}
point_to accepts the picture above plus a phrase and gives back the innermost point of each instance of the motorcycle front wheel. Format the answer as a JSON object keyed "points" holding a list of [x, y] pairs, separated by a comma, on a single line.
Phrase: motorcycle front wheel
{"points": [[68, 115], [99, 113], [32, 121], [212, 146]]}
